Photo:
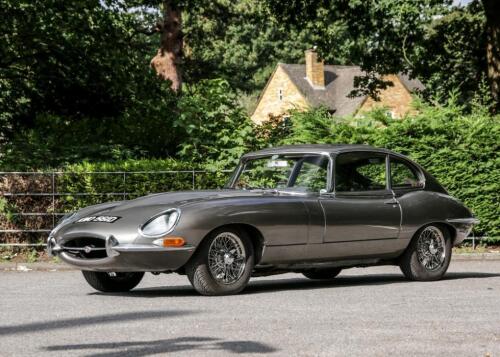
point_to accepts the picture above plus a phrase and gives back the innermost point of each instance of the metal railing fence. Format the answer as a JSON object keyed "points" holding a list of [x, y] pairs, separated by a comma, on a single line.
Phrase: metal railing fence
{"points": [[47, 186], [52, 181]]}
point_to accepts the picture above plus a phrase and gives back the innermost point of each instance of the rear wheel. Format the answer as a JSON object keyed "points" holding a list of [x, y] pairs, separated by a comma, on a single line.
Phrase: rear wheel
{"points": [[322, 274], [428, 256], [112, 282], [223, 263]]}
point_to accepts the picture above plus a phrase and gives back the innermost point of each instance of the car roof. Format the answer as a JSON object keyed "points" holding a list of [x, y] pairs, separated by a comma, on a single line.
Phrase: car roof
{"points": [[316, 149]]}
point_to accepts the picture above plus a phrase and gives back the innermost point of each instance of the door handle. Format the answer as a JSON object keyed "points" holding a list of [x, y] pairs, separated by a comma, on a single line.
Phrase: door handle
{"points": [[392, 201]]}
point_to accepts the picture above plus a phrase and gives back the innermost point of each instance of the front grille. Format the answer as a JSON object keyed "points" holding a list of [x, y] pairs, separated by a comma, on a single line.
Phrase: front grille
{"points": [[86, 248]]}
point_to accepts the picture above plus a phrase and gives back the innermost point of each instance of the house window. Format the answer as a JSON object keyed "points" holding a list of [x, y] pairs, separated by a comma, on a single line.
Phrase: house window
{"points": [[391, 114], [280, 94]]}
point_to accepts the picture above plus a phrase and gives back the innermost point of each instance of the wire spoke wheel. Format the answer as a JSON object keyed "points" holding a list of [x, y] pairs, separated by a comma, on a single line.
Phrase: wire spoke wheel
{"points": [[431, 251], [226, 258]]}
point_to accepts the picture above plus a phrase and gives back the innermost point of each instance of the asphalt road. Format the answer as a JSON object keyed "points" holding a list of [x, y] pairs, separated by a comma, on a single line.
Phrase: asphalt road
{"points": [[371, 311]]}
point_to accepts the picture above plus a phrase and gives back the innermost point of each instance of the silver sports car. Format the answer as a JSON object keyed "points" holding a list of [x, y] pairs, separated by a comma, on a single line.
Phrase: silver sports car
{"points": [[310, 209]]}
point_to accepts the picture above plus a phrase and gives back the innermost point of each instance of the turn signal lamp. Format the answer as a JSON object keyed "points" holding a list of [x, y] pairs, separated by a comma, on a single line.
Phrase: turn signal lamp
{"points": [[170, 242]]}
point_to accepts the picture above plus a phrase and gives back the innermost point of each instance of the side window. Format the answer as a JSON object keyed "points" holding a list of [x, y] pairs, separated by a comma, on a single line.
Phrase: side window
{"points": [[403, 175], [360, 171]]}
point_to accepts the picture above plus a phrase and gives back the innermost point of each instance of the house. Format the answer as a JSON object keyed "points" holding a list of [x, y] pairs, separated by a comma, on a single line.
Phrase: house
{"points": [[313, 84]]}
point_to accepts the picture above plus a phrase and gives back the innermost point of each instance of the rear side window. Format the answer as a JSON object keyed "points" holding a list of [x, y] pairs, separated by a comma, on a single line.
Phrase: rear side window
{"points": [[403, 175], [360, 171]]}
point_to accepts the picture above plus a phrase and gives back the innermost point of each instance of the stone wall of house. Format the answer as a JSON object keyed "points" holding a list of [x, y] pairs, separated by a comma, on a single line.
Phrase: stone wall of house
{"points": [[397, 99], [280, 96]]}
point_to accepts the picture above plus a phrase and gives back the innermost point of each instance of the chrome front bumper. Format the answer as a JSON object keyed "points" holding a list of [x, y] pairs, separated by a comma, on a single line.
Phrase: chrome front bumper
{"points": [[125, 257]]}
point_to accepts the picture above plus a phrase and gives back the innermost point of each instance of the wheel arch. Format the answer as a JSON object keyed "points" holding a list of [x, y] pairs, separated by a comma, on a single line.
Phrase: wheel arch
{"points": [[444, 225], [253, 232]]}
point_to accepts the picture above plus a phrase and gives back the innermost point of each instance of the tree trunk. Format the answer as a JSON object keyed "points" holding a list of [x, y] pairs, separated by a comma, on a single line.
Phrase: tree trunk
{"points": [[492, 12], [168, 60]]}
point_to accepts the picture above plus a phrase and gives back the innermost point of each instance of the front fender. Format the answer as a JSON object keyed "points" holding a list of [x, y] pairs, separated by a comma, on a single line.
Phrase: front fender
{"points": [[281, 220]]}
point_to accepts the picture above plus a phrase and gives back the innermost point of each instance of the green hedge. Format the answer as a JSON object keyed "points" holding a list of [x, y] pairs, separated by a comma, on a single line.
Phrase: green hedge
{"points": [[461, 151], [131, 179]]}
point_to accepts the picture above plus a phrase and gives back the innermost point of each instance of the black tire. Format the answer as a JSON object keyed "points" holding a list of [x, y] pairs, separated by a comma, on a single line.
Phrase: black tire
{"points": [[202, 278], [106, 283], [414, 269], [322, 274]]}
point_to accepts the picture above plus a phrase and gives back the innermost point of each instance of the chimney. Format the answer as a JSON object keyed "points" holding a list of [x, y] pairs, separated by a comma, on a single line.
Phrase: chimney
{"points": [[315, 70]]}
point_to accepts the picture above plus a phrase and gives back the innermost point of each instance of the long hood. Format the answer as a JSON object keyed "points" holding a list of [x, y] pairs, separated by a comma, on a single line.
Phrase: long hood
{"points": [[134, 213], [178, 199]]}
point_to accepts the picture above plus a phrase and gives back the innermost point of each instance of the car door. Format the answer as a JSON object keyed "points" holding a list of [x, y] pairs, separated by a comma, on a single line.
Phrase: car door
{"points": [[362, 207]]}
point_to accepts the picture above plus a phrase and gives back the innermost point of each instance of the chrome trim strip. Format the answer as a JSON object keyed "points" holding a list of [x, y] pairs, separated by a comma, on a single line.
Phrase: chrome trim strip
{"points": [[126, 248], [469, 220], [81, 248]]}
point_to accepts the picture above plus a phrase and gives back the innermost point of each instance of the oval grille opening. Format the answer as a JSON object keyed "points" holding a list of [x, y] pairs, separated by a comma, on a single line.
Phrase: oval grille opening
{"points": [[86, 248]]}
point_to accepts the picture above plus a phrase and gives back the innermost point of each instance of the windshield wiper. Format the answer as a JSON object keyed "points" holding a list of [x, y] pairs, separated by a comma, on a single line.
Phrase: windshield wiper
{"points": [[272, 191]]}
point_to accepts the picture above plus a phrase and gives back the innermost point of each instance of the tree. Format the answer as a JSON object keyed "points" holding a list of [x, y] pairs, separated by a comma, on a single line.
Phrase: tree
{"points": [[75, 83], [167, 62], [492, 12], [385, 36], [241, 43], [234, 40], [452, 57]]}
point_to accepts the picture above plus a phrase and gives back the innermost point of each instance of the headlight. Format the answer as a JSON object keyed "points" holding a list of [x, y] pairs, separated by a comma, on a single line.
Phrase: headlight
{"points": [[161, 224]]}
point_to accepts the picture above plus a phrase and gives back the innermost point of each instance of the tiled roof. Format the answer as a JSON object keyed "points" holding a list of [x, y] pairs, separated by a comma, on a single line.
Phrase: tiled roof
{"points": [[339, 82]]}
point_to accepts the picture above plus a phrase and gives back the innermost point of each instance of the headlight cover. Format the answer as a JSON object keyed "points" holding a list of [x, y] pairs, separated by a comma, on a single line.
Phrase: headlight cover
{"points": [[161, 224]]}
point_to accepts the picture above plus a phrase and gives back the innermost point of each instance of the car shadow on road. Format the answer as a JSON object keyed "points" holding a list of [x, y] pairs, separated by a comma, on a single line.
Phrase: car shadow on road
{"points": [[257, 286], [90, 321], [349, 280], [180, 344]]}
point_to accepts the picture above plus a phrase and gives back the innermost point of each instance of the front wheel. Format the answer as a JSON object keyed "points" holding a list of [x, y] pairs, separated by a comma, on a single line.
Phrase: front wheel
{"points": [[112, 282], [223, 263], [428, 256]]}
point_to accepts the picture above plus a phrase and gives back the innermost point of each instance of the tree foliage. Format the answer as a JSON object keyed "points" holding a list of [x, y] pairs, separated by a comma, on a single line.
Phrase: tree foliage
{"points": [[452, 57], [429, 39], [76, 84]]}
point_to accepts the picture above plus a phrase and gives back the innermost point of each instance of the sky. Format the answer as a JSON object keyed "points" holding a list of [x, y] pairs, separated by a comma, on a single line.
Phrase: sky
{"points": [[461, 2]]}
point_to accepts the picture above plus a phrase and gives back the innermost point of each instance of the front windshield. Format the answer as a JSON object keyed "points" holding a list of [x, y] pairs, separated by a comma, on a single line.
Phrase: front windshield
{"points": [[284, 172]]}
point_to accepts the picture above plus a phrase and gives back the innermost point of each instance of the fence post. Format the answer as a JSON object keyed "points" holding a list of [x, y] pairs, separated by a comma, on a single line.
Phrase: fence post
{"points": [[193, 180], [53, 199], [124, 185]]}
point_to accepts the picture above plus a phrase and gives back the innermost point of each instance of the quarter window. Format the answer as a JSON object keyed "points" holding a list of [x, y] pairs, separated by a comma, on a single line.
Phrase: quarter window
{"points": [[360, 171], [403, 175]]}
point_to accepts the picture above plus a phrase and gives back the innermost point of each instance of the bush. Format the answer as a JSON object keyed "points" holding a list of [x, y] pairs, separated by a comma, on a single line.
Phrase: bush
{"points": [[461, 151], [132, 178], [215, 127]]}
